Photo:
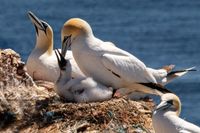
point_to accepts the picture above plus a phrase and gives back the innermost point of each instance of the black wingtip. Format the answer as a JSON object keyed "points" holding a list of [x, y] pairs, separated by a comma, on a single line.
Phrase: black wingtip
{"points": [[179, 71], [158, 87], [193, 70]]}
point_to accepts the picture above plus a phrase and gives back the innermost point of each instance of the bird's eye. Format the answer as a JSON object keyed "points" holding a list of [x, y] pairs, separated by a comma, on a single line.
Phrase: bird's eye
{"points": [[45, 25]]}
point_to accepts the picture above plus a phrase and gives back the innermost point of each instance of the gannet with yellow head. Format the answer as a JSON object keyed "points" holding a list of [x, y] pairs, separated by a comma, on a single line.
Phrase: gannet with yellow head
{"points": [[107, 64], [166, 117], [42, 62]]}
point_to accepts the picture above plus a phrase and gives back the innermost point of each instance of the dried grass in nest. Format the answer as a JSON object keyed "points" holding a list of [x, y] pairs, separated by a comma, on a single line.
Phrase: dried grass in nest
{"points": [[25, 107]]}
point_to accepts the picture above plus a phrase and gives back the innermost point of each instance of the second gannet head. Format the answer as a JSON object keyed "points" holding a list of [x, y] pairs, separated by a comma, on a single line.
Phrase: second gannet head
{"points": [[44, 34], [75, 27], [169, 102]]}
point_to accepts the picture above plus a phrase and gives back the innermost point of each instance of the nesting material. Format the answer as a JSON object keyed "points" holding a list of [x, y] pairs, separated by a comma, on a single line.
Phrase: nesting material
{"points": [[26, 107]]}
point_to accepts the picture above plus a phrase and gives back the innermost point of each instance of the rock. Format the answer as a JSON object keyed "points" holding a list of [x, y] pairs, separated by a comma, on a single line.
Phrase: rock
{"points": [[12, 70], [26, 107]]}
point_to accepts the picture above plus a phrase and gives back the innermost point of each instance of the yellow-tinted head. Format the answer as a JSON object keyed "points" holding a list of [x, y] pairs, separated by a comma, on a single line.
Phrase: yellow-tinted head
{"points": [[44, 34], [75, 27], [171, 101]]}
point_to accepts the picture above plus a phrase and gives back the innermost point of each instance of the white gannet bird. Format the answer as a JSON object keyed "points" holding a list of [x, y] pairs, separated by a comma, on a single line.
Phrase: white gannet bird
{"points": [[107, 64], [42, 63], [82, 89], [166, 117]]}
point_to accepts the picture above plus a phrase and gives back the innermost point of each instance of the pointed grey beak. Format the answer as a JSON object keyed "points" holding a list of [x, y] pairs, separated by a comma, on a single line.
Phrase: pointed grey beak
{"points": [[61, 60], [162, 105], [36, 21], [66, 44]]}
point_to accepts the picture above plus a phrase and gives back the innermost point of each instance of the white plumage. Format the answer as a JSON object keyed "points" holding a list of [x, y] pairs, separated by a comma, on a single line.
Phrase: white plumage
{"points": [[107, 64], [42, 62], [82, 89], [166, 117]]}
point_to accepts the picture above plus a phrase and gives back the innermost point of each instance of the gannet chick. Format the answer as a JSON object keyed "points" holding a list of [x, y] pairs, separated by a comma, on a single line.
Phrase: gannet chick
{"points": [[79, 90], [42, 63], [107, 64], [166, 117]]}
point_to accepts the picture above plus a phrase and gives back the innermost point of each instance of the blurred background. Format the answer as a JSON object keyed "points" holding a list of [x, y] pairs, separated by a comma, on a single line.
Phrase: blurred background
{"points": [[157, 32]]}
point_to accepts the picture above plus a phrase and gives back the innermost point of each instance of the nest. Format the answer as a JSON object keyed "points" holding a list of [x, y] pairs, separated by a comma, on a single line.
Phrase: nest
{"points": [[27, 107]]}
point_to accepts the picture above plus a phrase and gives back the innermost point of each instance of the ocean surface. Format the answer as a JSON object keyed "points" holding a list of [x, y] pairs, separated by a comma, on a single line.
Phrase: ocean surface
{"points": [[158, 32]]}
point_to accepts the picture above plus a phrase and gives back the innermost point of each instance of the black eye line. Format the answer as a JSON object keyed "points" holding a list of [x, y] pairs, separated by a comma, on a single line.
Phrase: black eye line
{"points": [[170, 102], [45, 27], [36, 29], [66, 38]]}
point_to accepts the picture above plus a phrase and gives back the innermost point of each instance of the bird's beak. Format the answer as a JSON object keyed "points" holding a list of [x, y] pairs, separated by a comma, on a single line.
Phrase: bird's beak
{"points": [[36, 21], [66, 44], [162, 105], [61, 60]]}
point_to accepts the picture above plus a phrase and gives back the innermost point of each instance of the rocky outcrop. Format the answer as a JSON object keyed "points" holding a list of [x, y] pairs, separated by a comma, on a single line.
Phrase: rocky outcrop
{"points": [[27, 107]]}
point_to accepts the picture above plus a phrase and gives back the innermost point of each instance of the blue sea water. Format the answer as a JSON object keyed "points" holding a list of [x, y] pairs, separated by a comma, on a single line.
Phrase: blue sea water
{"points": [[159, 32]]}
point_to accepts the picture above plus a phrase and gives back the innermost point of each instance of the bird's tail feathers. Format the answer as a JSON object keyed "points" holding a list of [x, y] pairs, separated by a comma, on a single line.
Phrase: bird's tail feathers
{"points": [[178, 73]]}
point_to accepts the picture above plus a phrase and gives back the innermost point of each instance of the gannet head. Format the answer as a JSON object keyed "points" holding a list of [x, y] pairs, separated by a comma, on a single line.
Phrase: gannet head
{"points": [[75, 27], [44, 34], [170, 102]]}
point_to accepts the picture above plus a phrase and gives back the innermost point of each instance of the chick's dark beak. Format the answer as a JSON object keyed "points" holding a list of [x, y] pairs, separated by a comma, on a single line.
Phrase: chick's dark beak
{"points": [[61, 60]]}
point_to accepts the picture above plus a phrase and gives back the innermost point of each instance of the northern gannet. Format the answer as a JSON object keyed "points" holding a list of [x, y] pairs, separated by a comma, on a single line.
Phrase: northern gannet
{"points": [[42, 63], [107, 64], [166, 117], [83, 89]]}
